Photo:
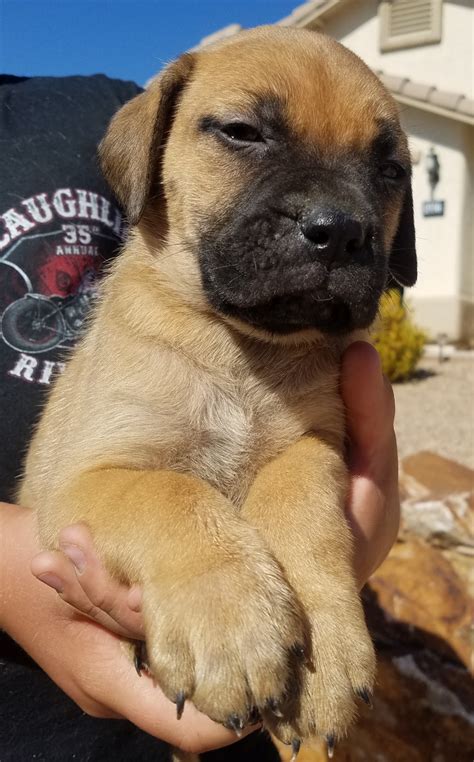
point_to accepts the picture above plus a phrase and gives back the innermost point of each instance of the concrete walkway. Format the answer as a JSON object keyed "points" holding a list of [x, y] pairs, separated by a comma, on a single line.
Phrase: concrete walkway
{"points": [[435, 411]]}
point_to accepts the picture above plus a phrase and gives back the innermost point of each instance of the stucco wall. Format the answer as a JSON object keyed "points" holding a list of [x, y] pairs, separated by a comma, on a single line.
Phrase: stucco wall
{"points": [[441, 241], [467, 265], [447, 64]]}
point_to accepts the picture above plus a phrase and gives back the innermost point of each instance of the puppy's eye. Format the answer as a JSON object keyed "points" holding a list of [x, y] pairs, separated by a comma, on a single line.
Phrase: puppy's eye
{"points": [[392, 170], [239, 132]]}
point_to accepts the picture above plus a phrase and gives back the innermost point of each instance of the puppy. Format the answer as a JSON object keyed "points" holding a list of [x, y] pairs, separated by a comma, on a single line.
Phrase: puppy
{"points": [[198, 428]]}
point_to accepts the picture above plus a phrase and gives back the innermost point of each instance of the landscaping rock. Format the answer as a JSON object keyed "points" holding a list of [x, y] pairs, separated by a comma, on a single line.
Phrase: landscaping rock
{"points": [[438, 501], [419, 608], [417, 586]]}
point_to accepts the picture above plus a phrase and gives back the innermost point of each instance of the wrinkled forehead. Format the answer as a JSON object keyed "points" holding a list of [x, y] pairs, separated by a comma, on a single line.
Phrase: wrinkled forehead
{"points": [[304, 79]]}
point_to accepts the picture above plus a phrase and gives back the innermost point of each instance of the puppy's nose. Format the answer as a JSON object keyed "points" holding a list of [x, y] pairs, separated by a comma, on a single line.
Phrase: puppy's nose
{"points": [[336, 236]]}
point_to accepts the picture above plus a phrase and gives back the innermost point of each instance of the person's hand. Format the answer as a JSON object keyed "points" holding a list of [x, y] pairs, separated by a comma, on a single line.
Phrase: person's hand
{"points": [[77, 574], [373, 508], [88, 662]]}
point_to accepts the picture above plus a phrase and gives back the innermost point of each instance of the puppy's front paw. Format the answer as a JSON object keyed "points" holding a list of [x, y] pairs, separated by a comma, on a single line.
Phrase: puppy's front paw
{"points": [[341, 671], [223, 638]]}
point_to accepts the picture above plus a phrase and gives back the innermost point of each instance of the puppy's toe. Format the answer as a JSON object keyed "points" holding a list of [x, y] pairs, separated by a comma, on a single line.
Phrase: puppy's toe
{"points": [[221, 686], [225, 639], [172, 664], [342, 672]]}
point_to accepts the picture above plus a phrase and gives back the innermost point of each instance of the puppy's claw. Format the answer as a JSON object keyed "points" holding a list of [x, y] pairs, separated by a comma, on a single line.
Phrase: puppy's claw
{"points": [[295, 747], [331, 742], [236, 724], [254, 716], [139, 657], [138, 664], [365, 695], [298, 650], [274, 707], [179, 701]]}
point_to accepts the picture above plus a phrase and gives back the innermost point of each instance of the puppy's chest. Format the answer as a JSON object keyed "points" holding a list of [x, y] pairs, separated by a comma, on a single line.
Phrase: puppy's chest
{"points": [[233, 439], [237, 433]]}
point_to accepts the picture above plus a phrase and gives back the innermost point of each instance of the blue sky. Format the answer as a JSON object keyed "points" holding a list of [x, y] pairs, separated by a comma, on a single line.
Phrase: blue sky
{"points": [[130, 39]]}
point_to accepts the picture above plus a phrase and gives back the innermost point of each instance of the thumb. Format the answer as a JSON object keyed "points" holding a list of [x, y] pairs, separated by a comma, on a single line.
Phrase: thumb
{"points": [[368, 397]]}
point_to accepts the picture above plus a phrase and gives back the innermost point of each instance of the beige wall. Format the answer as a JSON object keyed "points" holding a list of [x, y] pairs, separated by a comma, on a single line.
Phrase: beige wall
{"points": [[467, 270], [440, 240], [449, 64], [467, 266], [443, 243]]}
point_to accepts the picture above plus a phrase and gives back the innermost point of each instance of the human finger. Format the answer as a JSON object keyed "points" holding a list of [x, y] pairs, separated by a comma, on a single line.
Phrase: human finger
{"points": [[368, 398], [56, 570], [373, 506], [106, 594]]}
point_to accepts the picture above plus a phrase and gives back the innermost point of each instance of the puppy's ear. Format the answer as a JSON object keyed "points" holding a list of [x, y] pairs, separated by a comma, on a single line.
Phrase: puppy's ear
{"points": [[132, 147], [402, 262]]}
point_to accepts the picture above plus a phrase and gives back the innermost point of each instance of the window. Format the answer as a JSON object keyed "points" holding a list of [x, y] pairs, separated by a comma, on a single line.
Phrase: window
{"points": [[408, 23]]}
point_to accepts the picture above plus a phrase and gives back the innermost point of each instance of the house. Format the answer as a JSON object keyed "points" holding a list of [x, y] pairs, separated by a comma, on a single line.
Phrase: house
{"points": [[422, 50]]}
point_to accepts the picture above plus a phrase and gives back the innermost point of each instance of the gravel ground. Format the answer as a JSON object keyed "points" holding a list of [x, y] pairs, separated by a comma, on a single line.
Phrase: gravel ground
{"points": [[435, 411]]}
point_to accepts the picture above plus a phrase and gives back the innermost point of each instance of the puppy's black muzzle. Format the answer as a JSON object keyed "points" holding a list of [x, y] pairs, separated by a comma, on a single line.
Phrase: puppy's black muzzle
{"points": [[293, 266]]}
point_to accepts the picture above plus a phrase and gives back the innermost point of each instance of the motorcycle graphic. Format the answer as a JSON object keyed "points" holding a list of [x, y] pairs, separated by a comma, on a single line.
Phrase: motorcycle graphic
{"points": [[37, 323]]}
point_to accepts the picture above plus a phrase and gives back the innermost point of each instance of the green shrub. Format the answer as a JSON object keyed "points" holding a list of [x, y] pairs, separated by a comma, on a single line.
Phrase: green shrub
{"points": [[398, 341]]}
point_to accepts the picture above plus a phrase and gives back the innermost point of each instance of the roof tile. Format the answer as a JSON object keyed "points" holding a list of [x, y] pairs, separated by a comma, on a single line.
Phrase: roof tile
{"points": [[456, 103], [394, 84], [444, 99], [466, 106], [417, 90]]}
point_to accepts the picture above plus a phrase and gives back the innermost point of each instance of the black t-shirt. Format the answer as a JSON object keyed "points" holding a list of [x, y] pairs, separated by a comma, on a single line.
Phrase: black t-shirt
{"points": [[58, 225]]}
